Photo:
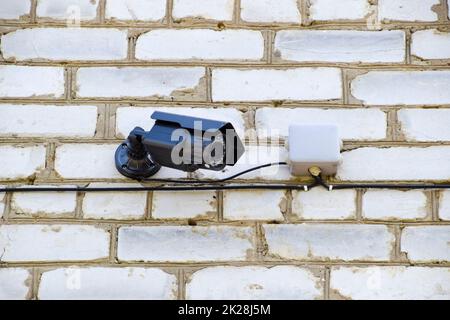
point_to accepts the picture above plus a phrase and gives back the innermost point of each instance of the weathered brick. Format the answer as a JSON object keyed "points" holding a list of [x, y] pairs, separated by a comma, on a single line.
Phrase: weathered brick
{"points": [[444, 205], [65, 44], [185, 244], [407, 10], [402, 163], [390, 283], [114, 205], [395, 204], [274, 84], [15, 9], [67, 9], [200, 44], [48, 121], [431, 44], [107, 284], [53, 243], [353, 124], [138, 10], [344, 242], [426, 243], [184, 204], [402, 87], [259, 283], [31, 82], [20, 162], [346, 10], [341, 45], [158, 82], [319, 203], [425, 124], [243, 205], [203, 9], [270, 11], [15, 283]]}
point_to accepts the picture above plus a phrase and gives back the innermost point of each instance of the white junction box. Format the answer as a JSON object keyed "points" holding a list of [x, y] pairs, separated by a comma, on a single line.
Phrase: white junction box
{"points": [[314, 145]]}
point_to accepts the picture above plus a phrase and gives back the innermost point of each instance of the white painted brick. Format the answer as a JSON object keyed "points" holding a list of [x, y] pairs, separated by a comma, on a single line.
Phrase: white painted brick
{"points": [[254, 205], [114, 205], [425, 124], [344, 10], [200, 44], [444, 205], [70, 162], [203, 9], [345, 242], [407, 10], [254, 156], [353, 124], [143, 10], [390, 164], [341, 45], [65, 44], [270, 11], [14, 9], [431, 44], [67, 9], [107, 284], [273, 84], [319, 203], [53, 243], [137, 82], [390, 283], [426, 243], [185, 244], [127, 118], [183, 204], [19, 162], [254, 283], [14, 283], [395, 204], [48, 121], [27, 82], [403, 87], [44, 203]]}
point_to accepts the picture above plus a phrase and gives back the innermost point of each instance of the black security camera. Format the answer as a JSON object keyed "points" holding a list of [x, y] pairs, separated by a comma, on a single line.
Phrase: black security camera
{"points": [[178, 142]]}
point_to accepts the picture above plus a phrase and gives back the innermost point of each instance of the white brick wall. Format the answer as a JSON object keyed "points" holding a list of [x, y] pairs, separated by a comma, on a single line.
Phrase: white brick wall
{"points": [[400, 163], [444, 205], [431, 44], [274, 84], [341, 45], [64, 9], [200, 44], [48, 121], [14, 9], [14, 283], [426, 243], [65, 44], [107, 284], [346, 10], [181, 243], [402, 87], [395, 204], [329, 242], [259, 283], [136, 82], [203, 9], [270, 11], [53, 243], [425, 124], [180, 205], [20, 162], [20, 81], [322, 204], [140, 10], [243, 205], [390, 283], [407, 10]]}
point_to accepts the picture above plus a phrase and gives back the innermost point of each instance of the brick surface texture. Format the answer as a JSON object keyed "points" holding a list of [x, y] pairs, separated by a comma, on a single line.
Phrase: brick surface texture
{"points": [[77, 75]]}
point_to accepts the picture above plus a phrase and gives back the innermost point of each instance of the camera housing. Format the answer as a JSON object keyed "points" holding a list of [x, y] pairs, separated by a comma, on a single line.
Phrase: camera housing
{"points": [[179, 142]]}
